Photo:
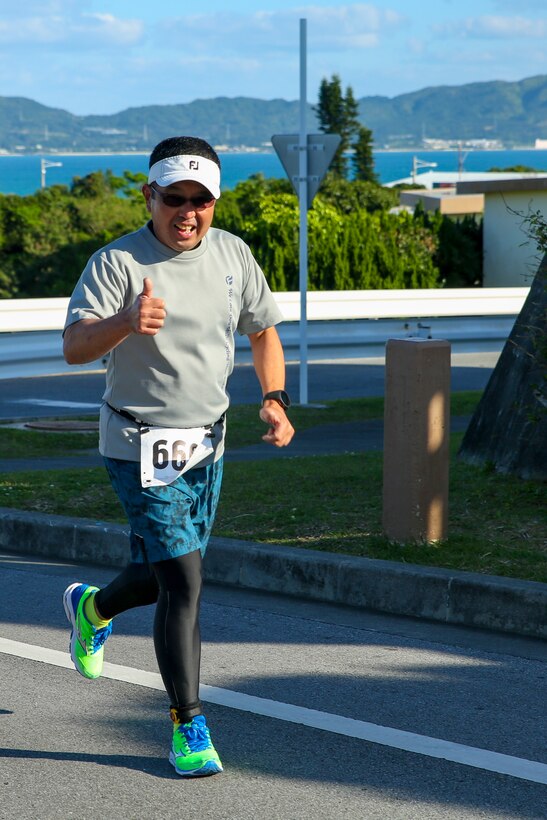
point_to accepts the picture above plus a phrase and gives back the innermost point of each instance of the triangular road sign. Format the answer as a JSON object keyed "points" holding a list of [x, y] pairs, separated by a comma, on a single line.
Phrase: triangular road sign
{"points": [[321, 150]]}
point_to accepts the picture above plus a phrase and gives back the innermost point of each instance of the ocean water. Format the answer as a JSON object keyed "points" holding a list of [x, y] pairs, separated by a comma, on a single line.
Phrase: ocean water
{"points": [[22, 174]]}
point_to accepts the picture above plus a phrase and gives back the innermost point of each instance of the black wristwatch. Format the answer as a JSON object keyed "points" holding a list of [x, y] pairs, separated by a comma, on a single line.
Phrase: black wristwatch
{"points": [[280, 396]]}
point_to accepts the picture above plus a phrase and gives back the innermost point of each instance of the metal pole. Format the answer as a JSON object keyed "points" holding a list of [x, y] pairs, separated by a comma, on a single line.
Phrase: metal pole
{"points": [[303, 230], [44, 164]]}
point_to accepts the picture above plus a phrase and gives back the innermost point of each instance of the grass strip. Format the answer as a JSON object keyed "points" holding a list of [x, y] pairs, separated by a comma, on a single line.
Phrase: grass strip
{"points": [[497, 523], [244, 426]]}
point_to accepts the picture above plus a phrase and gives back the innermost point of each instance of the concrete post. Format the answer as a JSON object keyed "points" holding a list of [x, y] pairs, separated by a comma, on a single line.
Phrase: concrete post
{"points": [[416, 440]]}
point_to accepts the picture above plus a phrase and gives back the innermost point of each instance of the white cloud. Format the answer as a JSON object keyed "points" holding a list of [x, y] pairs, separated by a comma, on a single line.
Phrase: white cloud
{"points": [[109, 29], [495, 27], [83, 32], [472, 62], [32, 30], [524, 5], [41, 8], [416, 45], [329, 28], [357, 26]]}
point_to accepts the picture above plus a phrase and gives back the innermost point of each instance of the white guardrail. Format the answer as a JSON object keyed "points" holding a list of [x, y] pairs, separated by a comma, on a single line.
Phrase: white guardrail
{"points": [[341, 324]]}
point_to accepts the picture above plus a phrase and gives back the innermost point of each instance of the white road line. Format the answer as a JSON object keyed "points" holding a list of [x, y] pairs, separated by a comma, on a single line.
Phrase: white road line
{"points": [[384, 735]]}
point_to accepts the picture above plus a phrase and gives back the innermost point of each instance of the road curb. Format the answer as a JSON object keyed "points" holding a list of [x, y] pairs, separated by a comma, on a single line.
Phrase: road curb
{"points": [[449, 596]]}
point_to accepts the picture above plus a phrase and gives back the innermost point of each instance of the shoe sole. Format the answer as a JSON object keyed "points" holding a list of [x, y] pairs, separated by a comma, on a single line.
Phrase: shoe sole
{"points": [[71, 617], [209, 768]]}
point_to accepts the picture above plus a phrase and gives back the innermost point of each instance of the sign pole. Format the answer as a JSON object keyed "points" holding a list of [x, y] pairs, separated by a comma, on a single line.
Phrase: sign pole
{"points": [[303, 208], [306, 158]]}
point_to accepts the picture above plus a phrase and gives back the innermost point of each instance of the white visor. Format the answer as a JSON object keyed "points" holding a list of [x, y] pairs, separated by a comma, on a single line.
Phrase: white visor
{"points": [[187, 167]]}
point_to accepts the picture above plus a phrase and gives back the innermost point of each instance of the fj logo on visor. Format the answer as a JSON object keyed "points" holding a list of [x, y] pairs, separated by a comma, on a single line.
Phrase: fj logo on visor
{"points": [[193, 165]]}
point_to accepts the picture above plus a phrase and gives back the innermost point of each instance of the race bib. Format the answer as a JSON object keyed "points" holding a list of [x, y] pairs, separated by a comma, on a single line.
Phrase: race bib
{"points": [[167, 452]]}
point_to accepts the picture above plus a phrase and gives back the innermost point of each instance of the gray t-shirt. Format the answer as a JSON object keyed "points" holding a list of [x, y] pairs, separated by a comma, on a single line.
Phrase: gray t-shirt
{"points": [[178, 377]]}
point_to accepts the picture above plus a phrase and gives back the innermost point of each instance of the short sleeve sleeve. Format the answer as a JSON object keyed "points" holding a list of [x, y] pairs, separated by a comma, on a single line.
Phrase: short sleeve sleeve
{"points": [[100, 292], [258, 309]]}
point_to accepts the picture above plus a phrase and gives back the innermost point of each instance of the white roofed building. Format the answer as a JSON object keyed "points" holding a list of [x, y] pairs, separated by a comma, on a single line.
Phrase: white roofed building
{"points": [[450, 179]]}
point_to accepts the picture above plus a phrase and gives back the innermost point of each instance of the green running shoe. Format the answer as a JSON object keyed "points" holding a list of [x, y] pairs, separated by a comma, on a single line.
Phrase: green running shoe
{"points": [[192, 753], [86, 640]]}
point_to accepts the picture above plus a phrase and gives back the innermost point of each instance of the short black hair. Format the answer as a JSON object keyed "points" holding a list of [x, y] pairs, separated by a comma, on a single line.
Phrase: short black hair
{"points": [[178, 146]]}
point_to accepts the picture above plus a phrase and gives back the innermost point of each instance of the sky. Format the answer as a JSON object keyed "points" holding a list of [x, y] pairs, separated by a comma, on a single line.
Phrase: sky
{"points": [[103, 56]]}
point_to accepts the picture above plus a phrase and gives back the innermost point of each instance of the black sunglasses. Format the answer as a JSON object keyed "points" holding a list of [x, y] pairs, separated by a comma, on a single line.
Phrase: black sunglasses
{"points": [[199, 203]]}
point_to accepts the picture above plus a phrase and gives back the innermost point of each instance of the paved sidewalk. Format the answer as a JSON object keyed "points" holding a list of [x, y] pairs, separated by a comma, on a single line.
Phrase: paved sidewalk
{"points": [[449, 596]]}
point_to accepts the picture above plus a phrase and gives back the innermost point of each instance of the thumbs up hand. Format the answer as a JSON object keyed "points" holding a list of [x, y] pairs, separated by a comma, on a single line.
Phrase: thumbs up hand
{"points": [[146, 287], [148, 312]]}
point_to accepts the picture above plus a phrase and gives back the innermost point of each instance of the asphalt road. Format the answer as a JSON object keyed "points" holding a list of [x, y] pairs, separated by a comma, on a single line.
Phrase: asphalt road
{"points": [[69, 395], [71, 748]]}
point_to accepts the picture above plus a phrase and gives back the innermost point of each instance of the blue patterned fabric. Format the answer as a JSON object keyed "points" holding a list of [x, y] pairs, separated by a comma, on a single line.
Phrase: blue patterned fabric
{"points": [[167, 521]]}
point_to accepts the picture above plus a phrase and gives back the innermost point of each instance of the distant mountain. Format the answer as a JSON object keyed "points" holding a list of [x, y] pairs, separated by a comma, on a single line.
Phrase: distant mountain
{"points": [[26, 125], [512, 113]]}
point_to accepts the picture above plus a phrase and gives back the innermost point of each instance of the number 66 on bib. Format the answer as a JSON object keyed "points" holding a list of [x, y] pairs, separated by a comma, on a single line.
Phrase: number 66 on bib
{"points": [[167, 452]]}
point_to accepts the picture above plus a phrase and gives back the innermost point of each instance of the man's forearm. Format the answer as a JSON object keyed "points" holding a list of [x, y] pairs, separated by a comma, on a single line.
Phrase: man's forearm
{"points": [[268, 359], [90, 339], [269, 363]]}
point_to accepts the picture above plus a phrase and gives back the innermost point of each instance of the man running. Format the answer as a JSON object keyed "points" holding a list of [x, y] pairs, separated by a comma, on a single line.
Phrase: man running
{"points": [[165, 302]]}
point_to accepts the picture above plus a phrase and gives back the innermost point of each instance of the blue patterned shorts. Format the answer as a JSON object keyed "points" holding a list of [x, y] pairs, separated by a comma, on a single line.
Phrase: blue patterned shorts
{"points": [[167, 521]]}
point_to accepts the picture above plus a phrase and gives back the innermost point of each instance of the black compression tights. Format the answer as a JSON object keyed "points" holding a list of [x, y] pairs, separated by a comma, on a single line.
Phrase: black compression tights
{"points": [[176, 587]]}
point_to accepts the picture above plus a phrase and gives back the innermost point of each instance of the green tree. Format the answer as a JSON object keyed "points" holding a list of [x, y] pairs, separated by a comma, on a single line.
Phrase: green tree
{"points": [[363, 158], [458, 253], [337, 114], [46, 238], [330, 105], [516, 169], [97, 184], [351, 124], [354, 241], [348, 196], [131, 185]]}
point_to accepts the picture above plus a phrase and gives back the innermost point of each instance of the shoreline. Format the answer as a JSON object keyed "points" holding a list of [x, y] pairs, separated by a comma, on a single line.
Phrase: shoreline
{"points": [[244, 150], [76, 154], [248, 150]]}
